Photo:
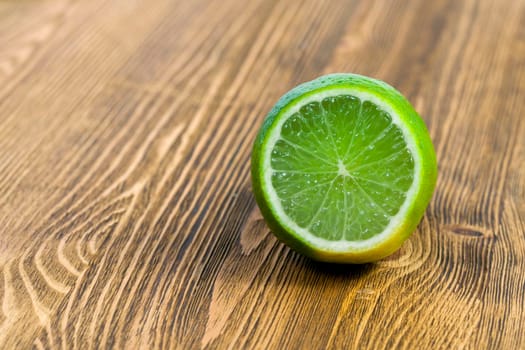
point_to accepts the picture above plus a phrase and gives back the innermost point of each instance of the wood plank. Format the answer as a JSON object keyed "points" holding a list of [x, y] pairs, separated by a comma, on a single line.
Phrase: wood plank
{"points": [[126, 210]]}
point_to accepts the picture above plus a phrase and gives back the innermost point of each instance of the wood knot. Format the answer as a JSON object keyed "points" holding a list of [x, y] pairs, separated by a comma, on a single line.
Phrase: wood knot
{"points": [[254, 232]]}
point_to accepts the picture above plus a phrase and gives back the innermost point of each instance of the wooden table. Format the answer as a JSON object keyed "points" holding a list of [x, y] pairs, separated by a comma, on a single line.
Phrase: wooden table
{"points": [[126, 213]]}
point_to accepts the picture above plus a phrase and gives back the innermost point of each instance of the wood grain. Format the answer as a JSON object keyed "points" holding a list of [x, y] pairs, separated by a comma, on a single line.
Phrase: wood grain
{"points": [[126, 213]]}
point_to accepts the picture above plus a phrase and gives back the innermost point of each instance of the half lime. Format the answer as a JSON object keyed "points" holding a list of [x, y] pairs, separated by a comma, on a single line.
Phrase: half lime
{"points": [[343, 169]]}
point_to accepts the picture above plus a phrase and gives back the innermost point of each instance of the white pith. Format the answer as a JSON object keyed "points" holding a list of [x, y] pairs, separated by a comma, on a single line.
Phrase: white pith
{"points": [[275, 203]]}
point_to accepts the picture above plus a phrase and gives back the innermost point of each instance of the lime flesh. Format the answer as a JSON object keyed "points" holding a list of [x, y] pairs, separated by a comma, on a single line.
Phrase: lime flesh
{"points": [[343, 169]]}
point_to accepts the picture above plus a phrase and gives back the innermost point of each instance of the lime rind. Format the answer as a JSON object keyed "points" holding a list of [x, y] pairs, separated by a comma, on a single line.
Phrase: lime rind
{"points": [[417, 140]]}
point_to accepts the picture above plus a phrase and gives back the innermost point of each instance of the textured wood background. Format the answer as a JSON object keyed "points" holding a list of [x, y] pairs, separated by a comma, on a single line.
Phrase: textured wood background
{"points": [[126, 213]]}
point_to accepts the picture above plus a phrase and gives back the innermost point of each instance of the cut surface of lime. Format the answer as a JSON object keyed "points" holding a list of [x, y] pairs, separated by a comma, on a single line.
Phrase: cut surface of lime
{"points": [[343, 169]]}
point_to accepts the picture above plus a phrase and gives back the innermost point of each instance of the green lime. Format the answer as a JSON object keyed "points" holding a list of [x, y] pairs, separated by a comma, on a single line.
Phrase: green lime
{"points": [[343, 168]]}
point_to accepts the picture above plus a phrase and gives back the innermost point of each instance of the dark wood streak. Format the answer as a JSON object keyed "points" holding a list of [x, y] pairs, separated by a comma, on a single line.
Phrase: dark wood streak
{"points": [[467, 231]]}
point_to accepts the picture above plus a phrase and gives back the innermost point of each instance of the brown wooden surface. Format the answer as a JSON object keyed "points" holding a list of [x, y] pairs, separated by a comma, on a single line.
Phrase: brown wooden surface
{"points": [[126, 213]]}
